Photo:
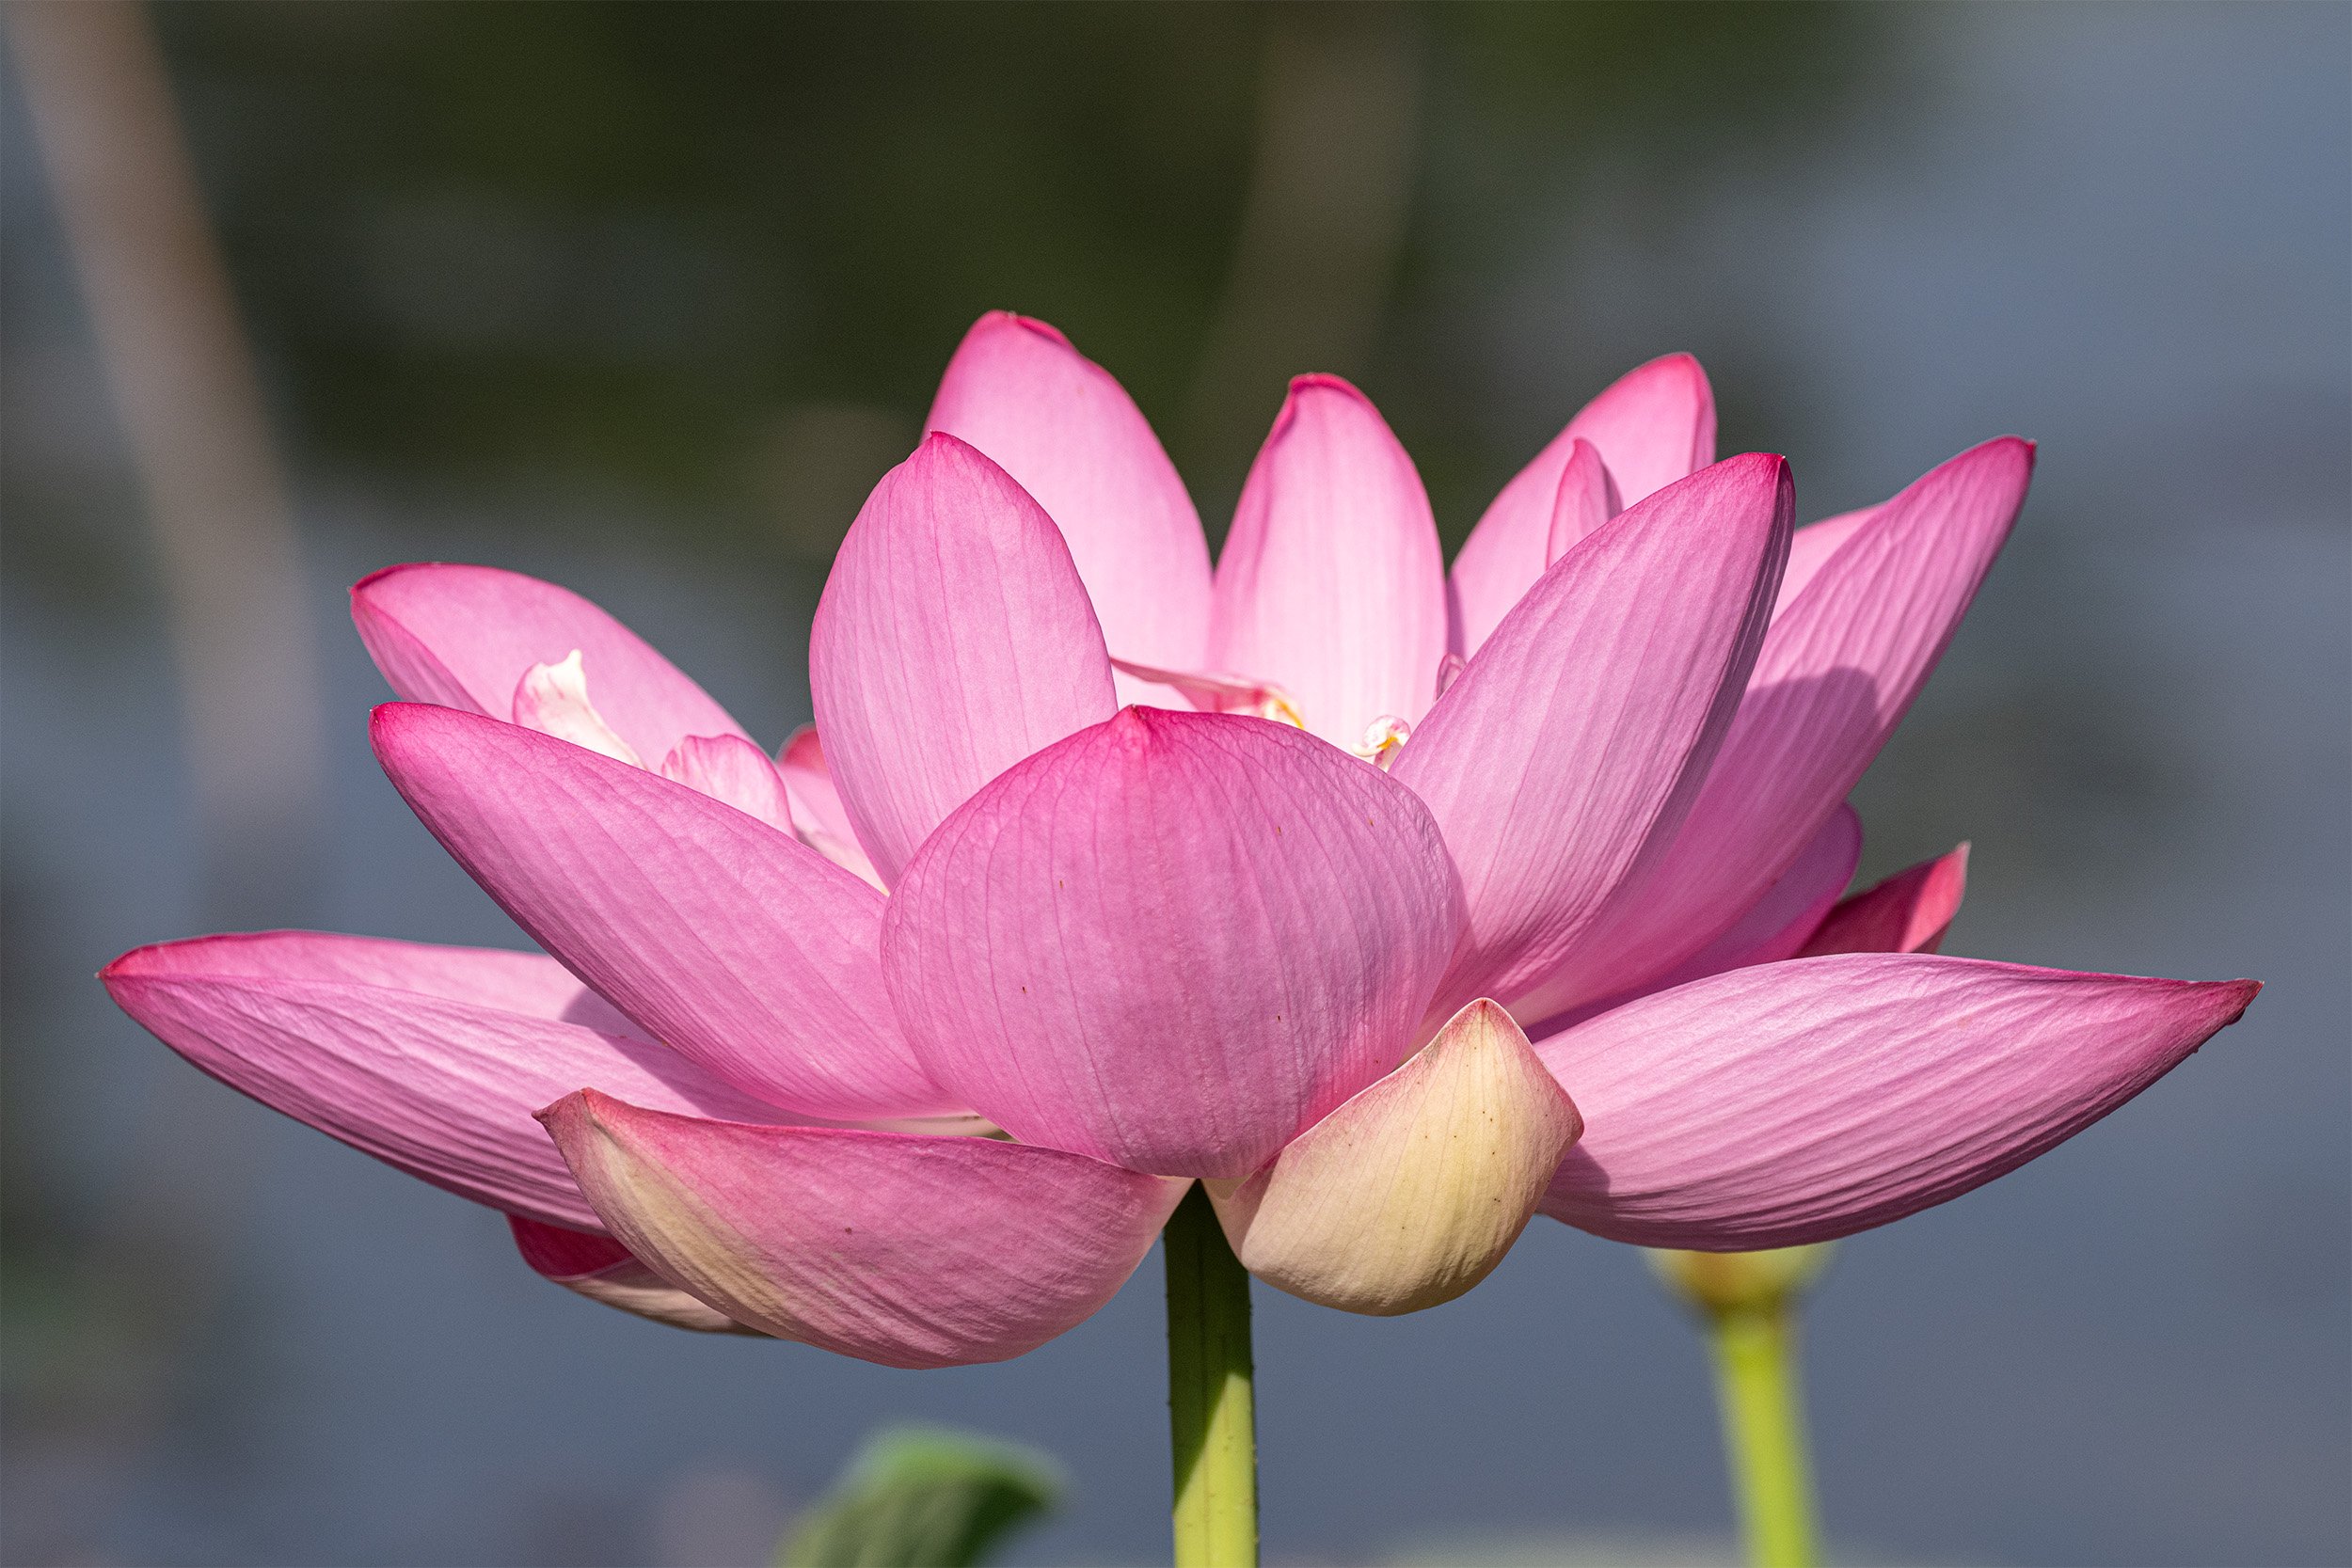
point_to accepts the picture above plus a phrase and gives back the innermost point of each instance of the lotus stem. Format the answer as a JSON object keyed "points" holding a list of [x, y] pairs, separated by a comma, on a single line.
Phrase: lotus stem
{"points": [[1755, 1379], [1211, 1415]]}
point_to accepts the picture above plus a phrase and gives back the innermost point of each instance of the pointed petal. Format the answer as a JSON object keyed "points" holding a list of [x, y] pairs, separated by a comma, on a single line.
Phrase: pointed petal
{"points": [[1411, 1192], [1065, 429], [1331, 585], [1810, 547], [466, 636], [910, 1251], [1653, 426], [604, 1271], [1798, 1101], [730, 767], [954, 638], [818, 818], [1588, 498], [732, 943], [1172, 940], [432, 1059], [1568, 750], [1839, 668], [1908, 912]]}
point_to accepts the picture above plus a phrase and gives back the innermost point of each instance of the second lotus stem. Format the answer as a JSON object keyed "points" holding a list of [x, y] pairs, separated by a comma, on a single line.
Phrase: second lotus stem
{"points": [[1211, 1408], [1754, 1348]]}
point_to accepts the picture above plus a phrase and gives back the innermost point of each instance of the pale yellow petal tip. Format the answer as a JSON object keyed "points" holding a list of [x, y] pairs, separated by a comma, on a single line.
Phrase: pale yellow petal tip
{"points": [[1411, 1192], [1719, 1282]]}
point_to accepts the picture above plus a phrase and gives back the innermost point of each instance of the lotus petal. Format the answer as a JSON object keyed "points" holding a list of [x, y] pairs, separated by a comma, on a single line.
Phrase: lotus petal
{"points": [[603, 1270], [1908, 912]]}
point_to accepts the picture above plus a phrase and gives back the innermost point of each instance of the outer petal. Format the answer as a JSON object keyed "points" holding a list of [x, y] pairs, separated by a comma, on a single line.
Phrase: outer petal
{"points": [[604, 1271], [818, 818], [1567, 750], [1411, 1192], [734, 943], [1798, 1101], [465, 635], [1653, 426], [1839, 668], [1908, 912], [1065, 429], [1172, 940], [432, 1059], [954, 638], [1331, 584], [909, 1251]]}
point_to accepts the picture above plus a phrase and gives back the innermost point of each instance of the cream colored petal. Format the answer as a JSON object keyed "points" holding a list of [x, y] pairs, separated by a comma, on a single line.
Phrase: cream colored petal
{"points": [[1411, 1192], [634, 1288]]}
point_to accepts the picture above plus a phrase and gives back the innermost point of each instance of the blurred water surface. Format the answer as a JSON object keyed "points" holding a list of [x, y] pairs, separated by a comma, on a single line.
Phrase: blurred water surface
{"points": [[640, 299]]}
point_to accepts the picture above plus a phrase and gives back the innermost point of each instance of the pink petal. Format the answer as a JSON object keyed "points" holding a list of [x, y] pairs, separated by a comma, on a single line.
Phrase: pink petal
{"points": [[817, 815], [432, 1059], [910, 1251], [1810, 547], [1566, 752], [1798, 1101], [954, 638], [734, 943], [1588, 498], [1172, 940], [1065, 429], [1908, 912], [1331, 585], [604, 1271], [1651, 427], [466, 636], [1839, 668], [730, 767], [1786, 916]]}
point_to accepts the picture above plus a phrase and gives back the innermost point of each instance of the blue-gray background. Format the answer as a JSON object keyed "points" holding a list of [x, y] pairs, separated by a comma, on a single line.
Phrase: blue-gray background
{"points": [[640, 300]]}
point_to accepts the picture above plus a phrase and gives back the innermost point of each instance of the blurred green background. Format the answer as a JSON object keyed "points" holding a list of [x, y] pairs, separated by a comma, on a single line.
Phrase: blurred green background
{"points": [[644, 298]]}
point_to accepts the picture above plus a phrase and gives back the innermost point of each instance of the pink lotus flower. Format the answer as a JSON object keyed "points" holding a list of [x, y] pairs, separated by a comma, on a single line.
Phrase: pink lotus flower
{"points": [[1284, 921]]}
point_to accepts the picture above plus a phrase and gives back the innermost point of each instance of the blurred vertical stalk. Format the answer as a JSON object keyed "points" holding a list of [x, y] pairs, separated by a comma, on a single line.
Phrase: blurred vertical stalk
{"points": [[1747, 1303], [177, 363], [1211, 1412]]}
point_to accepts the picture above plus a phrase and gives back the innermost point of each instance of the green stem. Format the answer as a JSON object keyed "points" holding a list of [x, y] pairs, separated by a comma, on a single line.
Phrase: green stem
{"points": [[1210, 1416], [1764, 1432]]}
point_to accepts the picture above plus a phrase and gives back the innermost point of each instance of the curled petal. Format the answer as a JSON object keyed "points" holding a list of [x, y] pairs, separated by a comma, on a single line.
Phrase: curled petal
{"points": [[1172, 940], [432, 1059], [910, 1251], [603, 1270], [1331, 584], [1065, 429], [1570, 749], [818, 818], [465, 636], [1588, 498], [730, 767], [1411, 1192], [1908, 912], [1839, 668], [730, 941], [954, 638], [1799, 1102], [1653, 426]]}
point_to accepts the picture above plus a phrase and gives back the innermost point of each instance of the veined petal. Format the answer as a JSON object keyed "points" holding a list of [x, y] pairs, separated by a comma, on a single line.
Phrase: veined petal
{"points": [[465, 636], [1653, 426], [1064, 428], [732, 943], [954, 638], [1588, 498], [1839, 668], [432, 1059], [1566, 754], [1798, 1101], [1810, 547], [1331, 585], [1786, 918], [817, 815], [730, 768], [910, 1251], [1410, 1193], [603, 1270], [1173, 940], [1908, 912]]}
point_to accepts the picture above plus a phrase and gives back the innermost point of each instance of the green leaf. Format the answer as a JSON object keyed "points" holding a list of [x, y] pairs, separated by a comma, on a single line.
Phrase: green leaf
{"points": [[924, 1497]]}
